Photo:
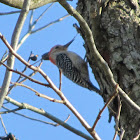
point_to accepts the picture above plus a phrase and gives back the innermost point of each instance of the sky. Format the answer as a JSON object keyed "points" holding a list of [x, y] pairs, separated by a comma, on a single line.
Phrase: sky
{"points": [[86, 102]]}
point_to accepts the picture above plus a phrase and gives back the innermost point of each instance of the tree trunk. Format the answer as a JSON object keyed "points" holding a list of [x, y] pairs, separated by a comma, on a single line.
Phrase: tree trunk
{"points": [[116, 29]]}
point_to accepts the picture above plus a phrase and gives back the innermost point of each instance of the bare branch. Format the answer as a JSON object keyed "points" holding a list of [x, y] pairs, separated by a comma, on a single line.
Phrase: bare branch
{"points": [[60, 79], [39, 94], [23, 39], [96, 55], [31, 79], [23, 80], [122, 133], [34, 23], [32, 26], [117, 117], [51, 23], [46, 114], [22, 72], [31, 31], [101, 111], [65, 120], [3, 125], [9, 111], [8, 13], [4, 57], [14, 42], [49, 98], [30, 75]]}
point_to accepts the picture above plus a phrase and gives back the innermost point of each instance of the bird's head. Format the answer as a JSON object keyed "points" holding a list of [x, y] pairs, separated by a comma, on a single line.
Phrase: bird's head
{"points": [[56, 49]]}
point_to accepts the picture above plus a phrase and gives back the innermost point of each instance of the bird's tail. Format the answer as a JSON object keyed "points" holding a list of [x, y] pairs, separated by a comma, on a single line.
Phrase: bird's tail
{"points": [[92, 87]]}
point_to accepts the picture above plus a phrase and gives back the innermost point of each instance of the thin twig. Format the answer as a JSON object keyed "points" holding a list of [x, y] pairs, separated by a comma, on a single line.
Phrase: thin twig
{"points": [[31, 79], [5, 103], [9, 111], [49, 98], [23, 80], [122, 133], [117, 117], [51, 23], [39, 94], [11, 87], [46, 114], [4, 57], [29, 76], [3, 125], [60, 79], [112, 110], [23, 39], [31, 27], [34, 23], [64, 121], [8, 13], [101, 111], [28, 62]]}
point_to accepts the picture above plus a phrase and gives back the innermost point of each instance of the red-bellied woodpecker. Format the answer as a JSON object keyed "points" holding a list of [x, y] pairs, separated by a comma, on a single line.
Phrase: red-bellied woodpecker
{"points": [[71, 65]]}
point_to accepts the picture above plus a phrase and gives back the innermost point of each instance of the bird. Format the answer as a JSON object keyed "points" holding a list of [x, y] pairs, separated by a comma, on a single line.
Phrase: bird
{"points": [[71, 65]]}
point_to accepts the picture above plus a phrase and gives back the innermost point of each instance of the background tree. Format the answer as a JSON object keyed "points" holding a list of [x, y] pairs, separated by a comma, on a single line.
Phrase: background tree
{"points": [[115, 26]]}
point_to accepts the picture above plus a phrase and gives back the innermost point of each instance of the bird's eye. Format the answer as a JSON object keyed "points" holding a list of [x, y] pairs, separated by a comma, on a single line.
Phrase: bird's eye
{"points": [[56, 47]]}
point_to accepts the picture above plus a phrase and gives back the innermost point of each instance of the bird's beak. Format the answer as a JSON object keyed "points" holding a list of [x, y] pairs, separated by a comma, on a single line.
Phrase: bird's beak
{"points": [[45, 56], [67, 45]]}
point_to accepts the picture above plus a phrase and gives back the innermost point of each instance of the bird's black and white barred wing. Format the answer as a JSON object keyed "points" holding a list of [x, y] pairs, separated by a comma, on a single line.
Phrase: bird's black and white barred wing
{"points": [[66, 65]]}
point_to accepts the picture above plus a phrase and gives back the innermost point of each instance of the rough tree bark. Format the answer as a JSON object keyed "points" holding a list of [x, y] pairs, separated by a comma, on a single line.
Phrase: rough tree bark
{"points": [[115, 26]]}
